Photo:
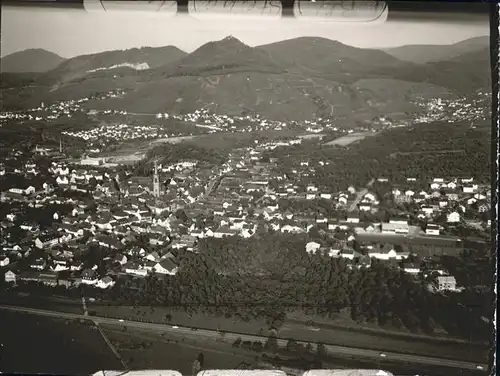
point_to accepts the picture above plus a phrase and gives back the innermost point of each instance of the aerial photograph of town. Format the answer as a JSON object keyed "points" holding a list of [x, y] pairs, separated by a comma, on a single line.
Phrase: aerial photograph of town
{"points": [[254, 196]]}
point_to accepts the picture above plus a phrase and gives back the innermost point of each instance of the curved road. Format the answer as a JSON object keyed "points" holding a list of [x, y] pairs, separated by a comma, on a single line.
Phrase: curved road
{"points": [[231, 337], [360, 195]]}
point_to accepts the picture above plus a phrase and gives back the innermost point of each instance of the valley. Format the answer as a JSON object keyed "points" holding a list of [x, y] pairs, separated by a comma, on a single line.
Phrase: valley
{"points": [[299, 203]]}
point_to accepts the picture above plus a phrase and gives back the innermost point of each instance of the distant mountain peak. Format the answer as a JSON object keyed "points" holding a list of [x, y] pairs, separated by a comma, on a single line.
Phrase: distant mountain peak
{"points": [[422, 54], [229, 44], [34, 60], [231, 41]]}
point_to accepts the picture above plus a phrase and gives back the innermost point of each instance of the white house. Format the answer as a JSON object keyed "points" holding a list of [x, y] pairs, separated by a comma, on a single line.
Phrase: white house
{"points": [[469, 188], [432, 229], [443, 203], [480, 196], [10, 277], [365, 206], [291, 229], [223, 231], [386, 252], [394, 228], [136, 270], [381, 254], [38, 264], [428, 210], [334, 252], [59, 267], [453, 217], [62, 180], [18, 191], [30, 190], [105, 283], [166, 266], [445, 282], [312, 188], [411, 268], [396, 192], [121, 259], [312, 247], [89, 277], [4, 261], [348, 253], [352, 219], [471, 201], [409, 193], [370, 197]]}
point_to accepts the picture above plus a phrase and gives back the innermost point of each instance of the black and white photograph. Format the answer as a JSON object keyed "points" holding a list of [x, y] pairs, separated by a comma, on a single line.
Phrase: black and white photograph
{"points": [[247, 188]]}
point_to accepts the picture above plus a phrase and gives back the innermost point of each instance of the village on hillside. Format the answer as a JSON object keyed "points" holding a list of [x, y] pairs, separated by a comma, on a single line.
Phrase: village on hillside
{"points": [[59, 213]]}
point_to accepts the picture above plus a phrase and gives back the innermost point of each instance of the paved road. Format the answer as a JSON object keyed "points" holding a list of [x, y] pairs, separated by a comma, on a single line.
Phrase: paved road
{"points": [[231, 337], [359, 196]]}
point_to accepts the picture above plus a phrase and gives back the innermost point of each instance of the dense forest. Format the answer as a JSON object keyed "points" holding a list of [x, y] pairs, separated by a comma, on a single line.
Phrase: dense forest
{"points": [[173, 153], [424, 151], [222, 280]]}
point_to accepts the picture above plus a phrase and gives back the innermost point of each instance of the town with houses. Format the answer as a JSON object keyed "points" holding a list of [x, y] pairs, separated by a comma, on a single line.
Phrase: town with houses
{"points": [[145, 222], [299, 204]]}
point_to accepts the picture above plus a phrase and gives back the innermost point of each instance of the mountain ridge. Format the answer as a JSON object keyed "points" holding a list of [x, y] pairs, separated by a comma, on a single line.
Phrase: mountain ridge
{"points": [[295, 79], [425, 53], [32, 60]]}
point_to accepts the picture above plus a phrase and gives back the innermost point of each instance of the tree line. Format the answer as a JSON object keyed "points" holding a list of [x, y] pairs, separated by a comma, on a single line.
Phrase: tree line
{"points": [[278, 278], [374, 157]]}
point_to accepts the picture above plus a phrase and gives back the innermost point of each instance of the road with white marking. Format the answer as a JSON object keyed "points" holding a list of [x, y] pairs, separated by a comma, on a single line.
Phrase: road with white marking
{"points": [[231, 337]]}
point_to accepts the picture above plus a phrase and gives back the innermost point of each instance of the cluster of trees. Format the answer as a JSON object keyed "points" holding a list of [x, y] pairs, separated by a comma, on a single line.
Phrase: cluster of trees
{"points": [[43, 134], [310, 207], [378, 156], [471, 268], [43, 216], [271, 279], [291, 347], [173, 153]]}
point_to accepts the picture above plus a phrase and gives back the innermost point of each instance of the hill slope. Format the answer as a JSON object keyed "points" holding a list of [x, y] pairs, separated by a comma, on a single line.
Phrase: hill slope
{"points": [[296, 79], [135, 59], [325, 57], [422, 54], [30, 61], [292, 80], [228, 55]]}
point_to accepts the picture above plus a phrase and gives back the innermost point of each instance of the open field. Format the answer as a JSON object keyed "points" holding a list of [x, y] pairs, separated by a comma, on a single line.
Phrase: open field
{"points": [[134, 151], [230, 140], [168, 351], [451, 151], [335, 335], [311, 136], [173, 352], [349, 139], [340, 331], [37, 344], [338, 353]]}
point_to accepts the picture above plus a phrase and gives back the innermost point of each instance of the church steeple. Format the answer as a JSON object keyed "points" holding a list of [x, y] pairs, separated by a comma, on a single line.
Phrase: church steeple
{"points": [[156, 182]]}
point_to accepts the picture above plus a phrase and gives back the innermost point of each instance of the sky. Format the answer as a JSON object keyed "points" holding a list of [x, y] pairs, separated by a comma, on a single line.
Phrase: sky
{"points": [[75, 32]]}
